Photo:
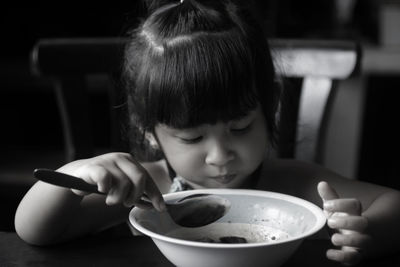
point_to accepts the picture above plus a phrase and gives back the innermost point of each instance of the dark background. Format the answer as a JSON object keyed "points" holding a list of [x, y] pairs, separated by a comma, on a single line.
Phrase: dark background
{"points": [[27, 105], [28, 108]]}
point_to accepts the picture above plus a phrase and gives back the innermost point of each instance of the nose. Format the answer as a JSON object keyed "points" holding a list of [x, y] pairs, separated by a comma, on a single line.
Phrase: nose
{"points": [[219, 154]]}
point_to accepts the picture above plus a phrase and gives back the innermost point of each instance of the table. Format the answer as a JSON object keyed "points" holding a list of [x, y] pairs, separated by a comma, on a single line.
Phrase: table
{"points": [[106, 249]]}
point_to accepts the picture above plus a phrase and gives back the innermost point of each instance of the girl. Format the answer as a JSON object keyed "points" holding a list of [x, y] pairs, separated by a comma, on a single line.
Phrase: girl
{"points": [[201, 93]]}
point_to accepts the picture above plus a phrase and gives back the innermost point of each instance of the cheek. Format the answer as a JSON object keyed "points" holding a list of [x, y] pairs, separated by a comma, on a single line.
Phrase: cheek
{"points": [[257, 141], [256, 149], [183, 161]]}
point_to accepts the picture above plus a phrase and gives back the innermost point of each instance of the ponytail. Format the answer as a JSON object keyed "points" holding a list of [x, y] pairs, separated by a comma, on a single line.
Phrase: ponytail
{"points": [[153, 5]]}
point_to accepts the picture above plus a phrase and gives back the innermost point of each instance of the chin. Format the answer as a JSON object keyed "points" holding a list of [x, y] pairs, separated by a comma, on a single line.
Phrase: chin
{"points": [[231, 184], [236, 183]]}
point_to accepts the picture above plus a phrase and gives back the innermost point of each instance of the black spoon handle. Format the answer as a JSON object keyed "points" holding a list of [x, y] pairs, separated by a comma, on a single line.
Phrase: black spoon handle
{"points": [[69, 181], [64, 180]]}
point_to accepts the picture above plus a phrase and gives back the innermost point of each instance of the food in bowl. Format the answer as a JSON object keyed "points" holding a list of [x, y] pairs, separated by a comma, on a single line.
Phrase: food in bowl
{"points": [[230, 233], [260, 229]]}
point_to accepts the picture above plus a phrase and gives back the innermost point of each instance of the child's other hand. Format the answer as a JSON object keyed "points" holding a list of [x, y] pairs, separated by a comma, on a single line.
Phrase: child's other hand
{"points": [[344, 215], [117, 175]]}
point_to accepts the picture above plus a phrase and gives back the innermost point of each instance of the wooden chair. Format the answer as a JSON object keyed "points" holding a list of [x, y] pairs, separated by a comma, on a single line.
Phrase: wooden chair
{"points": [[317, 64]]}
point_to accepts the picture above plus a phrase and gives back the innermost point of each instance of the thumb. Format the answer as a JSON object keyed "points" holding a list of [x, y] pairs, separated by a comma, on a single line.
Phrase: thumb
{"points": [[326, 192]]}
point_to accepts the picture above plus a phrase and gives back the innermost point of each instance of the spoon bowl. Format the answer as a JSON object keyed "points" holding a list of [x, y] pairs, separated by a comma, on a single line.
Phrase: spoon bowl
{"points": [[198, 209], [195, 210]]}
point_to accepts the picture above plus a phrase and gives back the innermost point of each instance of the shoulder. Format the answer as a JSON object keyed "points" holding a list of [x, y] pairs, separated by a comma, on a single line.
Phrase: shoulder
{"points": [[158, 170], [301, 179], [295, 177], [289, 168]]}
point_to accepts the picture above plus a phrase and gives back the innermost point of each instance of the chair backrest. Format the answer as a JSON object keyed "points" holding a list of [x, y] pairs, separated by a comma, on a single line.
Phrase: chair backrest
{"points": [[317, 63]]}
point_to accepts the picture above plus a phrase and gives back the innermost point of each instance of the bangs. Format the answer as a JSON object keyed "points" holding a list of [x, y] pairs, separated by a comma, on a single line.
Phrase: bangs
{"points": [[198, 80]]}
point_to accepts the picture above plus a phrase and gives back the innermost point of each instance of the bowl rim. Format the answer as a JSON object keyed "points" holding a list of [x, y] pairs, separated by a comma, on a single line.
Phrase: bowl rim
{"points": [[317, 211]]}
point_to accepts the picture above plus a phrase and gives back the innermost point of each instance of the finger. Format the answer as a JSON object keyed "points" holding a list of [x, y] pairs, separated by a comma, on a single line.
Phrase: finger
{"points": [[92, 174], [79, 192], [151, 188], [133, 195], [348, 222], [143, 205], [120, 188], [101, 176], [348, 256], [138, 179], [109, 179], [350, 206], [155, 196], [326, 192], [355, 239]]}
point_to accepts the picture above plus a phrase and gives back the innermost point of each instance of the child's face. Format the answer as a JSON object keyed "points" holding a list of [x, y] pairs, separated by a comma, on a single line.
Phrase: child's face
{"points": [[219, 155]]}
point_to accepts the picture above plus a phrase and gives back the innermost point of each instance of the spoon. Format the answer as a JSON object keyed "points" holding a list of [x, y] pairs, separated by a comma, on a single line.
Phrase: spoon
{"points": [[191, 211]]}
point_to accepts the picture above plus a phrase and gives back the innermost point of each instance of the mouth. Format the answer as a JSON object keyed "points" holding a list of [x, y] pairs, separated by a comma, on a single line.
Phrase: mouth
{"points": [[224, 179]]}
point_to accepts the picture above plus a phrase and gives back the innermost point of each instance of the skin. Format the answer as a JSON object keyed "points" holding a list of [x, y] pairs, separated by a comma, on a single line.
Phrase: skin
{"points": [[363, 218]]}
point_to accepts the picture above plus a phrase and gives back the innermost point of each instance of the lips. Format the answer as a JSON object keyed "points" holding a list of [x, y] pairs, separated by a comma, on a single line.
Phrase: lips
{"points": [[224, 179]]}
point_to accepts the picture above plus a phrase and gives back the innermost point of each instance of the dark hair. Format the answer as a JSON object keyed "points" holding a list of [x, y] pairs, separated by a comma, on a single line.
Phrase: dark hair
{"points": [[196, 62]]}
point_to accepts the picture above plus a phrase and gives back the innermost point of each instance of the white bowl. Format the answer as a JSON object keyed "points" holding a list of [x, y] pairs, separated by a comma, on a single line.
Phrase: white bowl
{"points": [[274, 224]]}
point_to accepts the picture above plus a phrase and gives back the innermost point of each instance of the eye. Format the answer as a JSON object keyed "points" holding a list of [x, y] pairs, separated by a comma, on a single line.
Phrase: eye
{"points": [[190, 140], [242, 129]]}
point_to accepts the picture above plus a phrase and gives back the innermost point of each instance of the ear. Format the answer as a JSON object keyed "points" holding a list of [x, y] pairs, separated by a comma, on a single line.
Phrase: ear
{"points": [[152, 140]]}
